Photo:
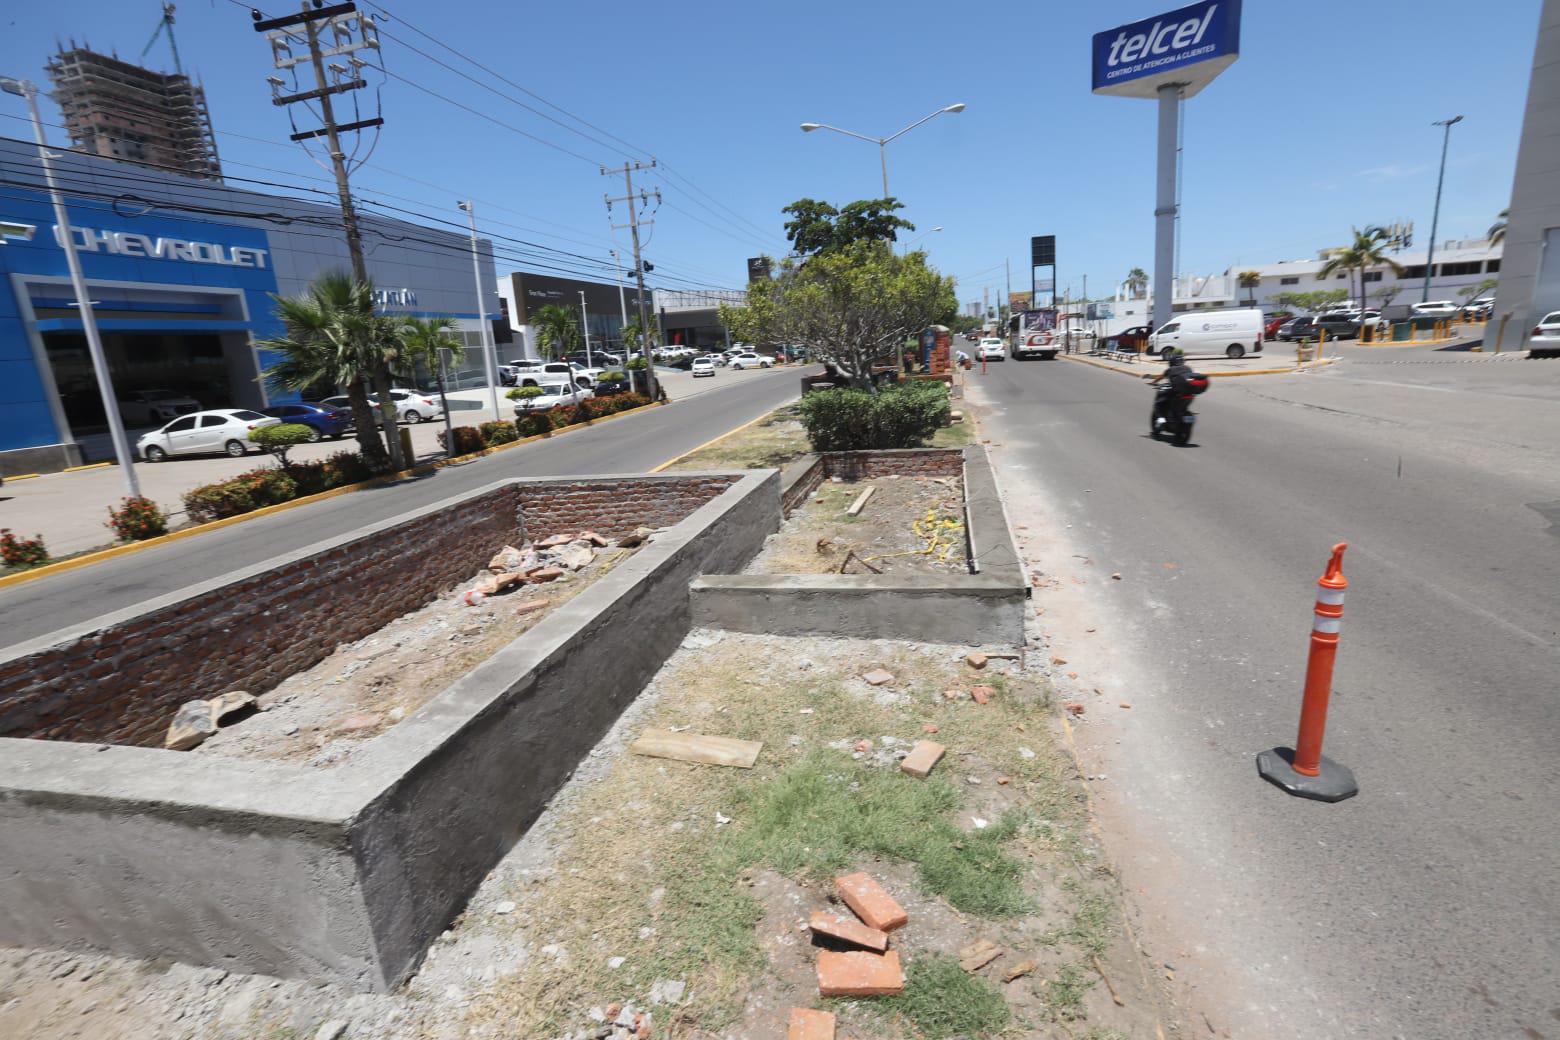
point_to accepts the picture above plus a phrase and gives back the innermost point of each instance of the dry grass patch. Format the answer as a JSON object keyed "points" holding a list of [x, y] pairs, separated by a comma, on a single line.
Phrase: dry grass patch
{"points": [[703, 875]]}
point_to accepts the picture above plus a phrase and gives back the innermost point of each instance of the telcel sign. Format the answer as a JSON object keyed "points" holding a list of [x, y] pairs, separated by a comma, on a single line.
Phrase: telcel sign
{"points": [[1188, 47]]}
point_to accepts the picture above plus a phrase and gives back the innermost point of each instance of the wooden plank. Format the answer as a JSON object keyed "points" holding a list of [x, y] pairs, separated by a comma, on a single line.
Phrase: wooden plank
{"points": [[856, 506], [695, 747]]}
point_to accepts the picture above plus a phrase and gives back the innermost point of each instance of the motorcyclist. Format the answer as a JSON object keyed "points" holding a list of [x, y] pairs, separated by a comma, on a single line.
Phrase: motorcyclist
{"points": [[1178, 388]]}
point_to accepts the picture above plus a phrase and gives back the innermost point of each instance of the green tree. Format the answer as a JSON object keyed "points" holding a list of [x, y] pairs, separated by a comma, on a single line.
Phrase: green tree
{"points": [[557, 330], [421, 338], [1365, 252], [1249, 280], [332, 335], [1137, 282], [633, 338], [1497, 231], [1470, 291], [817, 227], [281, 438], [853, 305]]}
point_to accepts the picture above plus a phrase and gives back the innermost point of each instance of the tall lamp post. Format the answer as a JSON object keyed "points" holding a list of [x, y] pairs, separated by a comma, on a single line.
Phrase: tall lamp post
{"points": [[585, 325], [882, 142], [918, 238], [116, 427], [1435, 215], [489, 362]]}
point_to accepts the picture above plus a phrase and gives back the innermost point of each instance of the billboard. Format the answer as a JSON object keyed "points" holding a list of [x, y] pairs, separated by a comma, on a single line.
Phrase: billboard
{"points": [[758, 268], [1042, 251], [1188, 46], [1043, 320]]}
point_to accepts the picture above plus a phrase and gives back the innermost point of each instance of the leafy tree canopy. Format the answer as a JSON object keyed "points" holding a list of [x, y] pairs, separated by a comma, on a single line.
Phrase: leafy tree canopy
{"points": [[817, 227]]}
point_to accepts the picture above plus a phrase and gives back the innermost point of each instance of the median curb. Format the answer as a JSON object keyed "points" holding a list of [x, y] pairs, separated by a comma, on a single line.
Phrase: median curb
{"points": [[1211, 375], [100, 555]]}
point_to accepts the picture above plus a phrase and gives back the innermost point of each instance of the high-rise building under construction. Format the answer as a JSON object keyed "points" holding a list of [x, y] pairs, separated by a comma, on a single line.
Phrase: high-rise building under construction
{"points": [[123, 111]]}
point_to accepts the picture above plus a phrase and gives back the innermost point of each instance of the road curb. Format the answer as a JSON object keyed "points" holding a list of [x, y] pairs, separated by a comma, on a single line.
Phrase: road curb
{"points": [[98, 556], [1211, 375]]}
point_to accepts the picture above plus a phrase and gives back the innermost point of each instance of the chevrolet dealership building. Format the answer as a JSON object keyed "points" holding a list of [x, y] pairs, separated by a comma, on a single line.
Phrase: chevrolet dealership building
{"points": [[180, 273]]}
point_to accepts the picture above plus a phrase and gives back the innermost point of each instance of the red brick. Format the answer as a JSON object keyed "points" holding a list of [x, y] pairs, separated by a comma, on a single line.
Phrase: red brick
{"points": [[872, 904], [530, 606], [981, 694], [807, 1024], [859, 974], [922, 758], [848, 929]]}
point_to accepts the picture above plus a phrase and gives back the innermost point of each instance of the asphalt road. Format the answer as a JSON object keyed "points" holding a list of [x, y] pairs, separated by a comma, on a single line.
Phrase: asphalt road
{"points": [[632, 444], [1428, 906]]}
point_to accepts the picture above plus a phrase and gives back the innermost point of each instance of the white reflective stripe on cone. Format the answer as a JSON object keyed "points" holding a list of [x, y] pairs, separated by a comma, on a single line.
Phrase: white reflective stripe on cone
{"points": [[1331, 597], [1328, 624]]}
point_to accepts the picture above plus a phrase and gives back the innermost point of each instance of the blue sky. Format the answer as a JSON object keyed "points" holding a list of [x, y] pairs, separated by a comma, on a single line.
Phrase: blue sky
{"points": [[1324, 121]]}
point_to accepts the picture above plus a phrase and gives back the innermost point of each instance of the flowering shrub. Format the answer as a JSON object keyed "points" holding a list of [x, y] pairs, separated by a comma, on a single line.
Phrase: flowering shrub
{"points": [[241, 494], [344, 467], [500, 432], [21, 552], [466, 440], [137, 519]]}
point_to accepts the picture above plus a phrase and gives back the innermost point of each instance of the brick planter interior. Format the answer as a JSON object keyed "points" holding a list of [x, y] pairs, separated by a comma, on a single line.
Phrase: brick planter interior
{"points": [[120, 682]]}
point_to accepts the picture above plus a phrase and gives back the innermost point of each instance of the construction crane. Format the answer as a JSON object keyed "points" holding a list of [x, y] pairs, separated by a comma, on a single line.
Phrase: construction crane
{"points": [[165, 23]]}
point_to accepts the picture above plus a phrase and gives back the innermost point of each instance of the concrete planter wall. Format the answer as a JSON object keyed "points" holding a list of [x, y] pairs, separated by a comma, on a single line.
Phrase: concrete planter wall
{"points": [[347, 874]]}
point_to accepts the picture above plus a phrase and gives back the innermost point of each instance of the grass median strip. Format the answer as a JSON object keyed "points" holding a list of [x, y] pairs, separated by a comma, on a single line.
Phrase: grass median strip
{"points": [[659, 870]]}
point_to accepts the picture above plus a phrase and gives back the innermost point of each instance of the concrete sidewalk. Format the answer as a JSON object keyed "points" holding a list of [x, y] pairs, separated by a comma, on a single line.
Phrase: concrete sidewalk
{"points": [[70, 510]]}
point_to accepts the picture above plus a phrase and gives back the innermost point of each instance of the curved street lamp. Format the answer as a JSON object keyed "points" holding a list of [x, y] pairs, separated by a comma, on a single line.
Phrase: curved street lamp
{"points": [[882, 142], [918, 238]]}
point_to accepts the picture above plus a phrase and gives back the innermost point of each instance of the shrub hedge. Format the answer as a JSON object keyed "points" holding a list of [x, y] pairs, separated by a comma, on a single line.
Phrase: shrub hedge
{"points": [[901, 415], [501, 432]]}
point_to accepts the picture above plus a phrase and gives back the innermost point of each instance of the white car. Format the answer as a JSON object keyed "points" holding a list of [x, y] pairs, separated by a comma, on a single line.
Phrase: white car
{"points": [[144, 407], [991, 349], [748, 359], [1546, 336], [553, 395], [411, 406], [1435, 309], [703, 367], [542, 373], [222, 429]]}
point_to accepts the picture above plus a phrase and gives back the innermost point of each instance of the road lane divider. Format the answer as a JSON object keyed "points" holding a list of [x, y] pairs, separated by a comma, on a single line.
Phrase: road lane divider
{"points": [[1304, 771]]}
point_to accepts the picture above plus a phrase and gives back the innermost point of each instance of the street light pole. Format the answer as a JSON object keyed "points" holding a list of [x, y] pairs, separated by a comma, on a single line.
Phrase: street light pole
{"points": [[116, 427], [585, 324], [1435, 216], [617, 267], [882, 142], [489, 361]]}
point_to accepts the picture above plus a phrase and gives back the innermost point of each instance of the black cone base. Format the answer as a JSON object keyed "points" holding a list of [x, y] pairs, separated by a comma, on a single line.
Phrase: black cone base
{"points": [[1333, 784]]}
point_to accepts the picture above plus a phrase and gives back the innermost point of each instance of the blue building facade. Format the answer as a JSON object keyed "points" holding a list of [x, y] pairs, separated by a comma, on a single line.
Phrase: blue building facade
{"points": [[181, 273]]}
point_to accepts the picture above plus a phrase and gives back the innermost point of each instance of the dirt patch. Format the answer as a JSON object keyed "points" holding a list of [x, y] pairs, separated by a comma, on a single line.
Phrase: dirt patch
{"points": [[319, 716], [909, 525]]}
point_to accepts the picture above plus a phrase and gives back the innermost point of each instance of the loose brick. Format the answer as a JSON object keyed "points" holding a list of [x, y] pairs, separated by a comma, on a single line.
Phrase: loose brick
{"points": [[848, 929], [976, 660], [878, 676], [982, 694], [859, 974], [922, 758], [545, 574], [531, 606], [807, 1024], [876, 908]]}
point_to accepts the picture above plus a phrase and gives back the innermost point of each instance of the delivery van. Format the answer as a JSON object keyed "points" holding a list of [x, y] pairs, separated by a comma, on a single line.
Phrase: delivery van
{"points": [[1231, 333]]}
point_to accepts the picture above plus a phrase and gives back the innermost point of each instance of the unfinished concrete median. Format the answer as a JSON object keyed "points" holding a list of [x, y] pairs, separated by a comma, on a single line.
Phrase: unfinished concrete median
{"points": [[983, 605], [344, 873]]}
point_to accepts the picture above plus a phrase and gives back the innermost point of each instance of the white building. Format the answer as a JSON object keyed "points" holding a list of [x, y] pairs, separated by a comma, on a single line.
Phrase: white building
{"points": [[1460, 267]]}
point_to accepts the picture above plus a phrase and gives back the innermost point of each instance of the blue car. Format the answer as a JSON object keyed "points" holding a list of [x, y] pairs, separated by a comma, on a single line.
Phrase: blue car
{"points": [[324, 421]]}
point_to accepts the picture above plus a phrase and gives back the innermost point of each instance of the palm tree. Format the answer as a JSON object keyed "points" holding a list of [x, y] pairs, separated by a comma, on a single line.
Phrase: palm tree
{"points": [[1137, 282], [1363, 254], [1497, 231], [1250, 280], [557, 330], [421, 339], [333, 336]]}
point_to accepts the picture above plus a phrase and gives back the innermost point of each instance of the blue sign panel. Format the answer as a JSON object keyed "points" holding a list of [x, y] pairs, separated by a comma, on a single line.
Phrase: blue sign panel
{"points": [[1187, 47]]}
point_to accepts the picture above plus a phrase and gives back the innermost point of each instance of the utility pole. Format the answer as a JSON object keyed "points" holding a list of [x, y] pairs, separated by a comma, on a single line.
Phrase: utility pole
{"points": [[1435, 214], [634, 223], [1007, 269], [617, 269], [350, 32], [489, 348], [116, 426]]}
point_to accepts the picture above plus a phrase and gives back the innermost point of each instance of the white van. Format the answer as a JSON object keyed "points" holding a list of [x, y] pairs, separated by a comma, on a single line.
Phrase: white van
{"points": [[1231, 333]]}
